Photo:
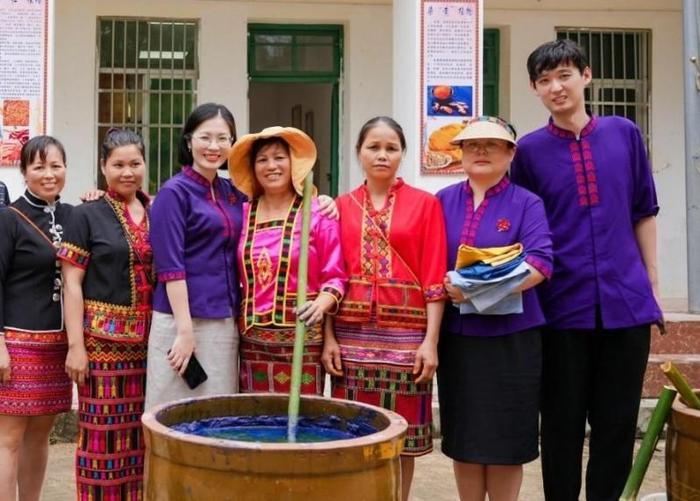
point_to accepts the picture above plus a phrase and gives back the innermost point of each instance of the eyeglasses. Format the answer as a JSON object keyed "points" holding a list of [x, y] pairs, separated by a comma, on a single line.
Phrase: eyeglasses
{"points": [[488, 147], [222, 141]]}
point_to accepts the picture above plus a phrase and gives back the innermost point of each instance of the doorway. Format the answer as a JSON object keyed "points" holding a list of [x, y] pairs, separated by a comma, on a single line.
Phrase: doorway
{"points": [[294, 73]]}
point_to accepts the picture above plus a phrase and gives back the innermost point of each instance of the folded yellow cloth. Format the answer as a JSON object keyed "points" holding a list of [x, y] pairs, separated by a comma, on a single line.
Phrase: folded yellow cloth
{"points": [[495, 256]]}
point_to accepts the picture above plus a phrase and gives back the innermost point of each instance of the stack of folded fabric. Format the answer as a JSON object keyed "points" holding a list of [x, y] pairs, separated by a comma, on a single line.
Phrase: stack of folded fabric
{"points": [[488, 276]]}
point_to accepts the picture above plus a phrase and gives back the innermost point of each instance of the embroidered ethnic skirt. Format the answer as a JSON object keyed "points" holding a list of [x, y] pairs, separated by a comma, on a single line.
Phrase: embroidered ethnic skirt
{"points": [[38, 381], [110, 451], [266, 361], [378, 370]]}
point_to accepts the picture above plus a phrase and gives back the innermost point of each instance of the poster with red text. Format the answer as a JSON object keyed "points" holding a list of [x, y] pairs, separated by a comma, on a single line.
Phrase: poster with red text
{"points": [[451, 79], [23, 74]]}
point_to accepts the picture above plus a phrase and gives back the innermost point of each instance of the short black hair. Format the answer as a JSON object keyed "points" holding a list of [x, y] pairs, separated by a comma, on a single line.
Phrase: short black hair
{"points": [[549, 55], [116, 138], [374, 122], [201, 114], [263, 142], [38, 145]]}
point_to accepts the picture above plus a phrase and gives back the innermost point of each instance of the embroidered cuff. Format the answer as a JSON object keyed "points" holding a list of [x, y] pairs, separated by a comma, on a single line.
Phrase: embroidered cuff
{"points": [[169, 276], [435, 292], [336, 295], [540, 265], [74, 255]]}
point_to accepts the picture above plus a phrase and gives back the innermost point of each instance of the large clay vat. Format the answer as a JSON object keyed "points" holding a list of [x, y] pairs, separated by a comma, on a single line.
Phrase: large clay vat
{"points": [[181, 466], [683, 453]]}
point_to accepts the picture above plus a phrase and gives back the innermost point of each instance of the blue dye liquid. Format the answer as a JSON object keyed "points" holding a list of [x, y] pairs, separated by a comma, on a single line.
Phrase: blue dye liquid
{"points": [[273, 429]]}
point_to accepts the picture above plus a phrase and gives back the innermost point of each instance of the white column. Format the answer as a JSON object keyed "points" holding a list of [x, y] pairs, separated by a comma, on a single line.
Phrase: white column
{"points": [[406, 72], [406, 93]]}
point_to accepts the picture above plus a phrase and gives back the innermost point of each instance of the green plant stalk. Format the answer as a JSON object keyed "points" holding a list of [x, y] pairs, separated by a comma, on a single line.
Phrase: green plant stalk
{"points": [[651, 437], [681, 384], [297, 357]]}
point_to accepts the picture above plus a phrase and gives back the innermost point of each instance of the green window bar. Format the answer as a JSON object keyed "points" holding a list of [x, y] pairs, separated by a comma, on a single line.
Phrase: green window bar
{"points": [[147, 81]]}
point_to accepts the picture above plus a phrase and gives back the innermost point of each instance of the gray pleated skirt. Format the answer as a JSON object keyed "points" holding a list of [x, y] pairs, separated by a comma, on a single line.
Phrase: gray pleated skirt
{"points": [[216, 348]]}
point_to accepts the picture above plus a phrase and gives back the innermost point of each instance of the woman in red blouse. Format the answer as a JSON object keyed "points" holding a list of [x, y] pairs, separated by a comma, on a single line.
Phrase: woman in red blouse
{"points": [[384, 348]]}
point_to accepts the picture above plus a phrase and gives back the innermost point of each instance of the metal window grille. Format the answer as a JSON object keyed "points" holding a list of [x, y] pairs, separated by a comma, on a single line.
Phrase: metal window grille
{"points": [[621, 64], [294, 51], [147, 81]]}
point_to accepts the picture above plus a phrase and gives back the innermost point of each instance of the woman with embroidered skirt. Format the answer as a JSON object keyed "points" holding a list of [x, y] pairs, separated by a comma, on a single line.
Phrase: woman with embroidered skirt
{"points": [[33, 384], [384, 351], [107, 270], [196, 225], [270, 168], [490, 364]]}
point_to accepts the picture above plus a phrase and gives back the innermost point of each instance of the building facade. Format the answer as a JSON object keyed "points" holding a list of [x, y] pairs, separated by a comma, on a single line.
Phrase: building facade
{"points": [[328, 65]]}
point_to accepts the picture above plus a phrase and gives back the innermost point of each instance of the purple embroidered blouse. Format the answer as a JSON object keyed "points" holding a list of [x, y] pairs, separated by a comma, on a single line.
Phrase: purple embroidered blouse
{"points": [[194, 237], [595, 189], [507, 215]]}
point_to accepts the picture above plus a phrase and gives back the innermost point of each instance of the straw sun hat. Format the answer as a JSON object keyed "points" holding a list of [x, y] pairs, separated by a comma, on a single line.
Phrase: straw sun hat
{"points": [[485, 127], [302, 152]]}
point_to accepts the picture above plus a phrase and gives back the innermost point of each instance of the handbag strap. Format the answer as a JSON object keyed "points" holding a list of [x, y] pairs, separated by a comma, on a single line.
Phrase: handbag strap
{"points": [[31, 223], [386, 240]]}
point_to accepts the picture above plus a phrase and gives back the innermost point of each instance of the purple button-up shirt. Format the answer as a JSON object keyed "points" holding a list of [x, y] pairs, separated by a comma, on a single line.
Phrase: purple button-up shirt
{"points": [[507, 215], [195, 227], [595, 189]]}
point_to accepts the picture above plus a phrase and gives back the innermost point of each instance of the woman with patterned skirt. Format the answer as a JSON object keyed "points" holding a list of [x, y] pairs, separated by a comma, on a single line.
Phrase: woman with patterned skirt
{"points": [[270, 167], [107, 270], [33, 384], [384, 351]]}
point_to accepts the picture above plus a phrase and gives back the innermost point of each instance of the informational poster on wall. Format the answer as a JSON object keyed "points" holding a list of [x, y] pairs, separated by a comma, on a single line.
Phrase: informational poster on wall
{"points": [[23, 74], [451, 79]]}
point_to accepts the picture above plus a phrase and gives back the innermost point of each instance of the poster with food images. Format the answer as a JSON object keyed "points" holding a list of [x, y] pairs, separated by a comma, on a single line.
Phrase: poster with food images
{"points": [[451, 79], [23, 75]]}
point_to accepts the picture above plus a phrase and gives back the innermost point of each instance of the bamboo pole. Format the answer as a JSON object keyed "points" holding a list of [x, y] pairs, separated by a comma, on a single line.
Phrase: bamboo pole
{"points": [[681, 384], [297, 357], [651, 437]]}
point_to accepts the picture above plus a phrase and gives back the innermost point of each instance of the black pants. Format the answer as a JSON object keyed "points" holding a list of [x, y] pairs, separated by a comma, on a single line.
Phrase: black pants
{"points": [[596, 375]]}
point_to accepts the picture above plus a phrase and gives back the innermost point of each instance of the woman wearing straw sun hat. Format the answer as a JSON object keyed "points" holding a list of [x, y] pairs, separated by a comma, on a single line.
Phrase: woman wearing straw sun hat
{"points": [[270, 167], [490, 364]]}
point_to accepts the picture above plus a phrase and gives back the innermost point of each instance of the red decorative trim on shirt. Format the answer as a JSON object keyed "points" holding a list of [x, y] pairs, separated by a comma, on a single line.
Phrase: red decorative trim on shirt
{"points": [[540, 265], [140, 255], [285, 301], [376, 251], [169, 276], [435, 292], [195, 176], [472, 219], [337, 296], [567, 134], [585, 173], [74, 255]]}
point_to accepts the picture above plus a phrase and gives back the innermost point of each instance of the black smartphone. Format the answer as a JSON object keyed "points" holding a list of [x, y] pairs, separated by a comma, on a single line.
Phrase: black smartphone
{"points": [[194, 374]]}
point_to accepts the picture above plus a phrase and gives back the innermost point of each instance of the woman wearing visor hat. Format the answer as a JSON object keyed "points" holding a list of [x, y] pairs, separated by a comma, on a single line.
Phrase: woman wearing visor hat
{"points": [[490, 360]]}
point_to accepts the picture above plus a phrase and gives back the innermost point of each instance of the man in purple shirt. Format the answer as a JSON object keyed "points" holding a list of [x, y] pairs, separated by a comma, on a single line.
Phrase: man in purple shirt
{"points": [[595, 180]]}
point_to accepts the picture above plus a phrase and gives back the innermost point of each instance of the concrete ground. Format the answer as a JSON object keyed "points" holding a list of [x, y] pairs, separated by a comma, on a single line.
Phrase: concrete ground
{"points": [[433, 480]]}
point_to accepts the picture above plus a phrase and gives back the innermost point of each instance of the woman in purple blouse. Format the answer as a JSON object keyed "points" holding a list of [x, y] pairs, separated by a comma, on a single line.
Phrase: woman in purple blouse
{"points": [[196, 220], [490, 365]]}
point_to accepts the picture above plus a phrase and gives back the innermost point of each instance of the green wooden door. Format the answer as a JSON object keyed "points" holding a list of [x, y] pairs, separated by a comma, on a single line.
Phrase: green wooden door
{"points": [[491, 61]]}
